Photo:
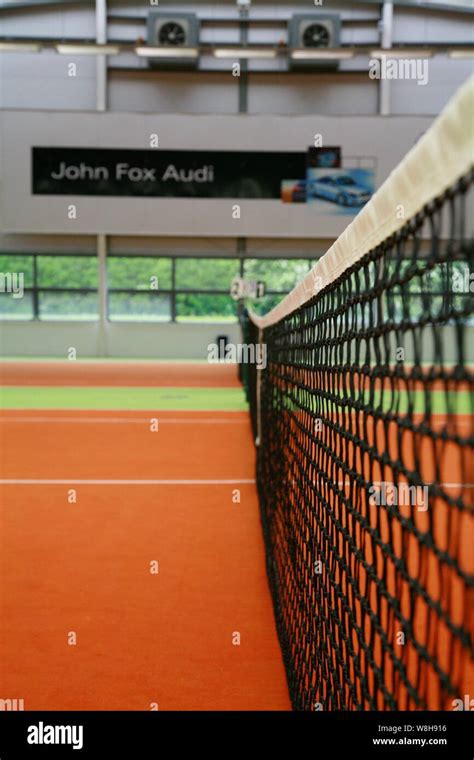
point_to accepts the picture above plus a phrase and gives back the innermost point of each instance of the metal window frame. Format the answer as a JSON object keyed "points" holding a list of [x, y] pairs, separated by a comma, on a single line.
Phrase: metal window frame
{"points": [[173, 291], [36, 289]]}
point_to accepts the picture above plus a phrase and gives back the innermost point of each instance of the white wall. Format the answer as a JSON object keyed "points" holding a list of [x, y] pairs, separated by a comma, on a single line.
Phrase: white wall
{"points": [[169, 341], [384, 140]]}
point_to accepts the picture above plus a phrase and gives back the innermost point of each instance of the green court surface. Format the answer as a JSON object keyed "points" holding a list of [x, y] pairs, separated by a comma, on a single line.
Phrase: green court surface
{"points": [[176, 399], [453, 402], [417, 402], [100, 360], [187, 399]]}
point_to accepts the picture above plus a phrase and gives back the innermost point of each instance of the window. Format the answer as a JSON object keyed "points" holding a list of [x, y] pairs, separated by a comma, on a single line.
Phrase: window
{"points": [[139, 273], [163, 289], [67, 287], [206, 274], [139, 288], [279, 275], [203, 289], [17, 280], [52, 287], [205, 308], [433, 289], [262, 305]]}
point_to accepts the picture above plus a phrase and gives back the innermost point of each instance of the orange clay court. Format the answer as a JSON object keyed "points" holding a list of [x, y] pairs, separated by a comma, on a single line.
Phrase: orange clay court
{"points": [[93, 499], [143, 640]]}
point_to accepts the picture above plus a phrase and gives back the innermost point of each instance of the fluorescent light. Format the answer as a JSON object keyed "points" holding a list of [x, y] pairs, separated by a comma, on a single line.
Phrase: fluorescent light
{"points": [[401, 53], [245, 52], [67, 48], [147, 51], [320, 54], [461, 53], [20, 47]]}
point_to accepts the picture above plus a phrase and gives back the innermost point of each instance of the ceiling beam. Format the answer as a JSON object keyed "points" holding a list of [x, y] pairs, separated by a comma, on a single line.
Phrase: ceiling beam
{"points": [[451, 6]]}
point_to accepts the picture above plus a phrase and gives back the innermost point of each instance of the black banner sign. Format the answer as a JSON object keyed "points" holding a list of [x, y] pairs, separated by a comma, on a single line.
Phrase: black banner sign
{"points": [[163, 173]]}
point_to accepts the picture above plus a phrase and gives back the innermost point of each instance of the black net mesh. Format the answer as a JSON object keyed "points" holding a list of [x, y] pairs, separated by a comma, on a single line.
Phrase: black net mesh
{"points": [[365, 473]]}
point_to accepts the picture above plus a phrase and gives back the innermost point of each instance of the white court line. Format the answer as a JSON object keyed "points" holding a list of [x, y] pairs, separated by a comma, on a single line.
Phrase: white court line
{"points": [[443, 485], [169, 482], [132, 420], [87, 482]]}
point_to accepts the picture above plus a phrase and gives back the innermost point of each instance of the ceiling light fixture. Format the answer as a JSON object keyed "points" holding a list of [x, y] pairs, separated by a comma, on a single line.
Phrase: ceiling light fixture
{"points": [[68, 48], [316, 54], [20, 47], [245, 52], [148, 51], [401, 53], [461, 53]]}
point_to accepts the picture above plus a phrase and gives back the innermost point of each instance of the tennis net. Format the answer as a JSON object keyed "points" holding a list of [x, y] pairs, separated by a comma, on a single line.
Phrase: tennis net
{"points": [[363, 418]]}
